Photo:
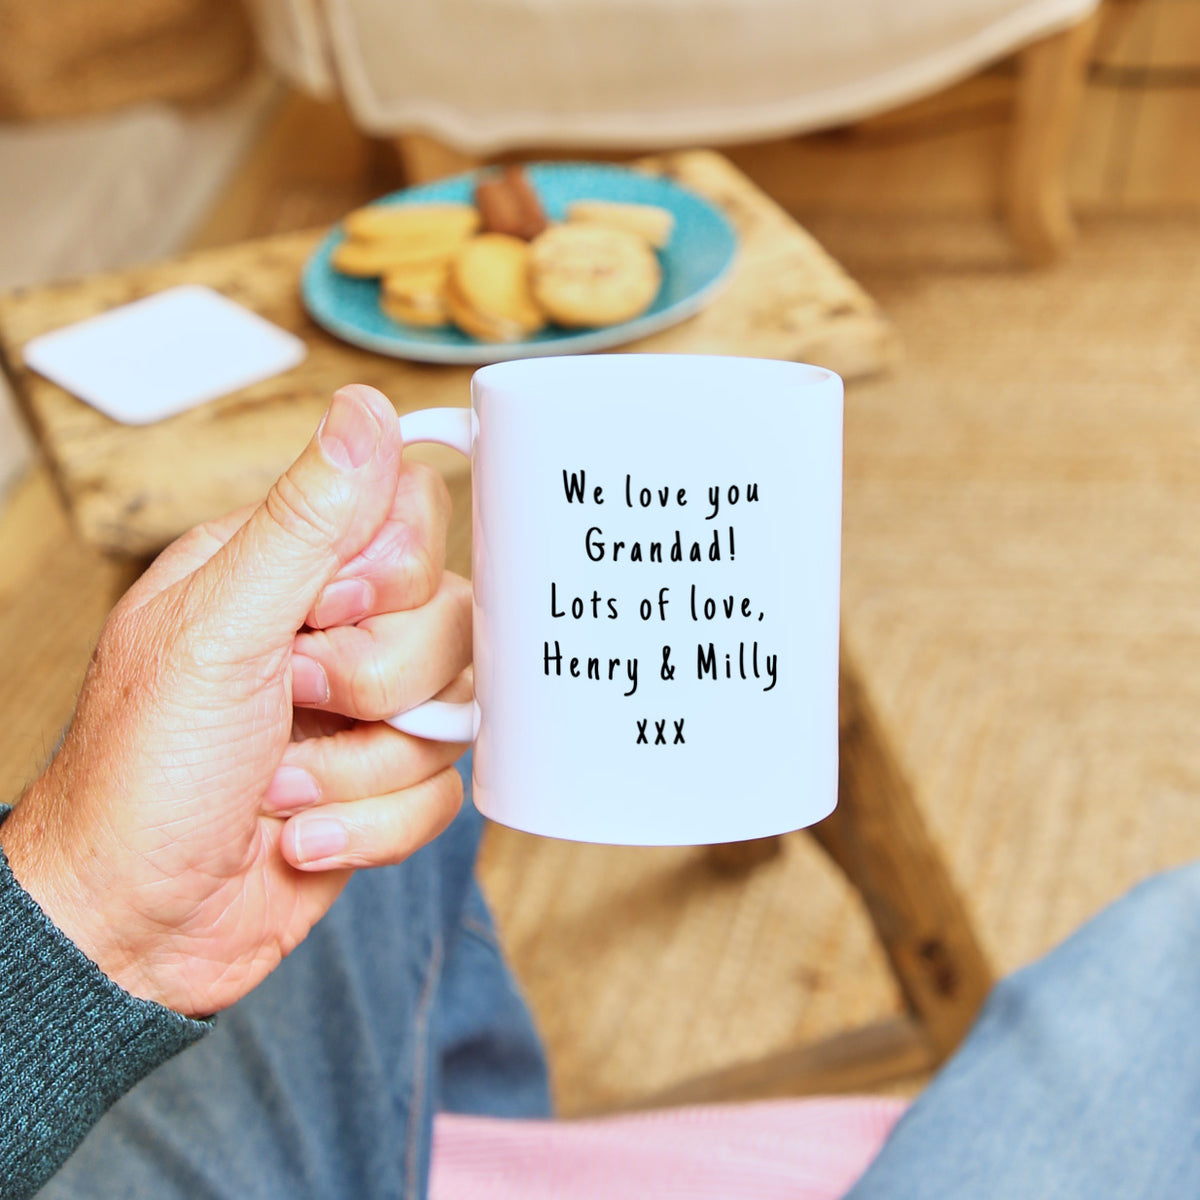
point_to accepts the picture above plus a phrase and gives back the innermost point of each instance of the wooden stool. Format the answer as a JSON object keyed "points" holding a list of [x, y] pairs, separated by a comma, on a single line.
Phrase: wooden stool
{"points": [[879, 839]]}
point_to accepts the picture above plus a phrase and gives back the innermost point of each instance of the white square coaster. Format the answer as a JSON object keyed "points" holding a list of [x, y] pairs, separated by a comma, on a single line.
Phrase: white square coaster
{"points": [[164, 354]]}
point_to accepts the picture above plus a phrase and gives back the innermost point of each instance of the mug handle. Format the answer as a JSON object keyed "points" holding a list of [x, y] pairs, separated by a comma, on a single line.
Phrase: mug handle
{"points": [[440, 720]]}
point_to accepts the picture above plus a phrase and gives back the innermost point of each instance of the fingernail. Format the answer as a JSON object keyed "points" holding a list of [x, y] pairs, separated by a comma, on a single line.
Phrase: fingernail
{"points": [[317, 839], [343, 603], [309, 685], [349, 433], [291, 787]]}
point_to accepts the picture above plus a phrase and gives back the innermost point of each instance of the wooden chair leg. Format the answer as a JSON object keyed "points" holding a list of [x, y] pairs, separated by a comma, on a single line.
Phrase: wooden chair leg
{"points": [[1052, 76], [425, 159], [858, 1060], [879, 839]]}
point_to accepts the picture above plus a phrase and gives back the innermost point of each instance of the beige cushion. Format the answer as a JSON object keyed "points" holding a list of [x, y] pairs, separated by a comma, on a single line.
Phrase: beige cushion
{"points": [[486, 75]]}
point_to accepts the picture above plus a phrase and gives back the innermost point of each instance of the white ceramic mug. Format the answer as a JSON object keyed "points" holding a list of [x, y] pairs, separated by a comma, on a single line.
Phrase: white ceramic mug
{"points": [[656, 565]]}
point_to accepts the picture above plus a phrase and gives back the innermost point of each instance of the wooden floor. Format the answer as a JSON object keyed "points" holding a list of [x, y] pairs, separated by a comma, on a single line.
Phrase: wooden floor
{"points": [[1020, 572], [1021, 566]]}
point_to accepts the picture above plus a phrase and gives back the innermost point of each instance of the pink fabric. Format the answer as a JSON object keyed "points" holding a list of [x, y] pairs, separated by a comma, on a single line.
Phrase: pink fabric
{"points": [[799, 1149]]}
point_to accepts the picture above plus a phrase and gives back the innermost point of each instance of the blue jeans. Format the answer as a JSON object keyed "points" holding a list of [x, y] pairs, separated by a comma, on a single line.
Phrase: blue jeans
{"points": [[1081, 1078], [323, 1081], [1080, 1081]]}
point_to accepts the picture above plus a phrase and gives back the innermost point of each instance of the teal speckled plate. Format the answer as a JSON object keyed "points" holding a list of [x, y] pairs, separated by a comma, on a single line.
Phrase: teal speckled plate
{"points": [[694, 264]]}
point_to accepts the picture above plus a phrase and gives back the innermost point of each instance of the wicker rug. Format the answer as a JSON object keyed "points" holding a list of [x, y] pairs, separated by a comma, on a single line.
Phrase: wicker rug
{"points": [[1022, 585]]}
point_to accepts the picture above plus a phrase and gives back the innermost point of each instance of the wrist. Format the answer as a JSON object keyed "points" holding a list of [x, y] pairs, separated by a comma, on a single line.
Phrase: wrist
{"points": [[37, 857], [23, 838]]}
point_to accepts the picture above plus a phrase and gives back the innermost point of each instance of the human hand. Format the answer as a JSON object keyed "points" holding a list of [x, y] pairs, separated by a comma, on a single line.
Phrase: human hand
{"points": [[194, 825]]}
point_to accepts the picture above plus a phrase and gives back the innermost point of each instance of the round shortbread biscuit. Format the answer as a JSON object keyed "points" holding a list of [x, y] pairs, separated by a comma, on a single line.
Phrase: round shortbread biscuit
{"points": [[488, 289], [399, 222], [475, 324], [589, 275], [647, 220]]}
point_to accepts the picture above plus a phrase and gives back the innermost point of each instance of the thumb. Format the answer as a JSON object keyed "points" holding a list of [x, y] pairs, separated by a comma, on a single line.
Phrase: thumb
{"points": [[255, 592]]}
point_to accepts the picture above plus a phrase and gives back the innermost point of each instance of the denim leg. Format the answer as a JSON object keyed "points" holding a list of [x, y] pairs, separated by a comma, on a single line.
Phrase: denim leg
{"points": [[490, 1057], [1081, 1079], [487, 1056], [322, 1082]]}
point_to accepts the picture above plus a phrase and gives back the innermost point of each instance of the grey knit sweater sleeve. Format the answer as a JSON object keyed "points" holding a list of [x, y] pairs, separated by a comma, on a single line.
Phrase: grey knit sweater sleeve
{"points": [[71, 1041]]}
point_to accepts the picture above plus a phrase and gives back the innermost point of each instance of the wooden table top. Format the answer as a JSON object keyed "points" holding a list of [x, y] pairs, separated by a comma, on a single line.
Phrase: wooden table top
{"points": [[132, 489]]}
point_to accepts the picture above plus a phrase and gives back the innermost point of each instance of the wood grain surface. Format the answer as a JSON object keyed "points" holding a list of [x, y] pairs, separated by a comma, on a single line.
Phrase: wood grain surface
{"points": [[130, 490]]}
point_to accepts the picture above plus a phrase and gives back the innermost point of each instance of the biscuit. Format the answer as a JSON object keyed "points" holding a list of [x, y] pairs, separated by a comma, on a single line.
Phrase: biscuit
{"points": [[404, 222], [367, 258], [408, 314], [587, 275], [508, 204], [474, 324], [416, 296], [647, 220], [487, 289]]}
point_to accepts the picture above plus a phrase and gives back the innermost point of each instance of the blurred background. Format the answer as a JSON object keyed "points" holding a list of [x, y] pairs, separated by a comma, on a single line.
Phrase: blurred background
{"points": [[1022, 561]]}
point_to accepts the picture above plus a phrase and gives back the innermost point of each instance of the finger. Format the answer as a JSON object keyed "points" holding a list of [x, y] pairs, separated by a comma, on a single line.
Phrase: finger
{"points": [[402, 565], [389, 663], [255, 591], [187, 553], [375, 831], [368, 759]]}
